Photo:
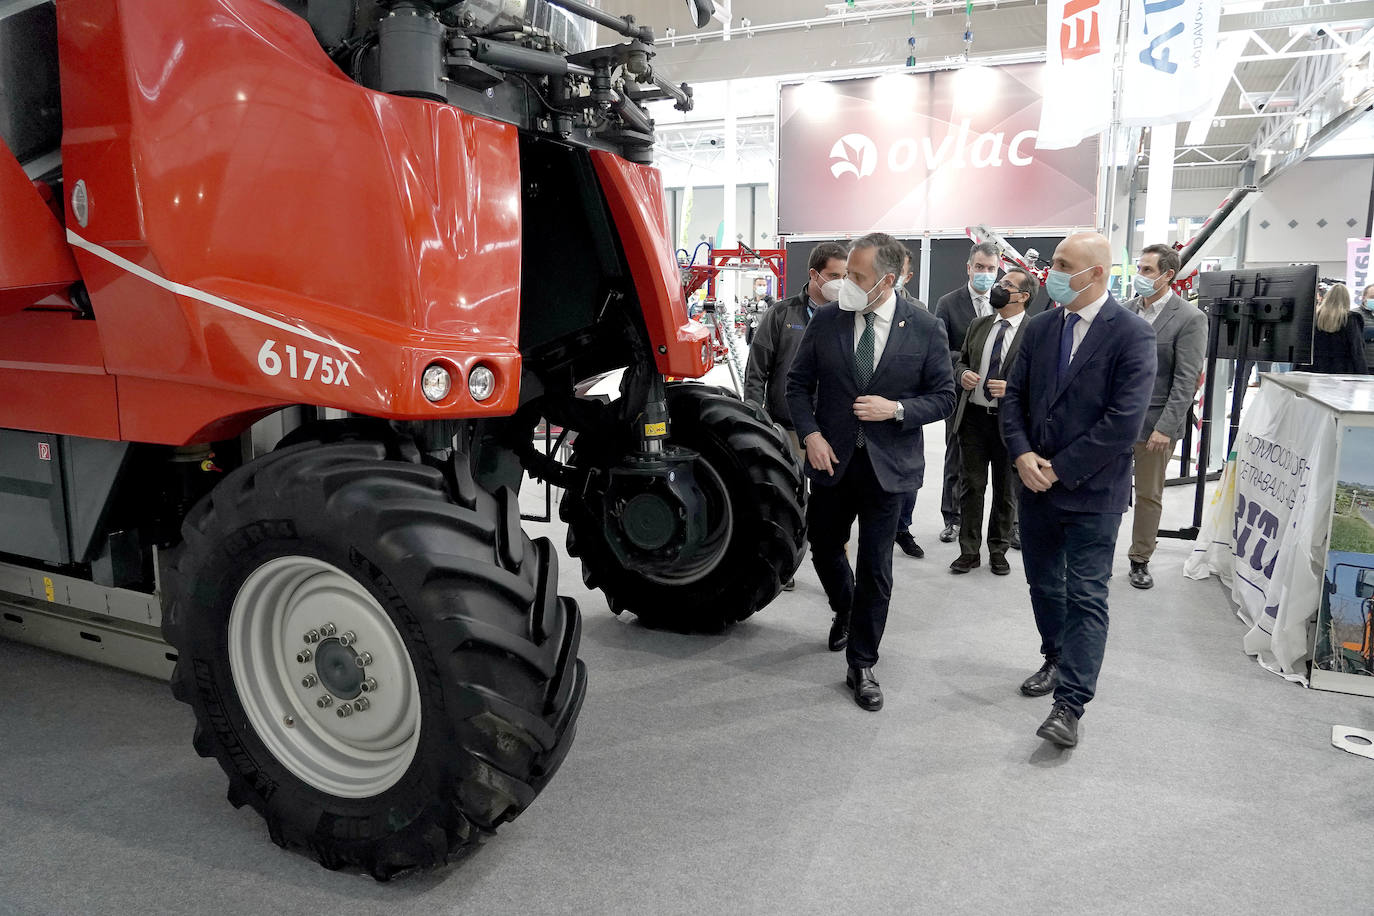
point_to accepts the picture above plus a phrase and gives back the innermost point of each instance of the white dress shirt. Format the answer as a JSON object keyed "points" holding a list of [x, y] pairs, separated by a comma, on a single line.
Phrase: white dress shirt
{"points": [[1085, 318], [1151, 312], [882, 326], [1014, 322], [981, 305]]}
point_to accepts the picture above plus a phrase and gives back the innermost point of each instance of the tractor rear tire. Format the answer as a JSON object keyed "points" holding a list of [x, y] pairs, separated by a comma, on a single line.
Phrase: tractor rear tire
{"points": [[319, 569], [753, 458]]}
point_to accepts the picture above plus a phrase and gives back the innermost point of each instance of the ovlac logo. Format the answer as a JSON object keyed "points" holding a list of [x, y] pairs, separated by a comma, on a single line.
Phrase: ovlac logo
{"points": [[851, 149]]}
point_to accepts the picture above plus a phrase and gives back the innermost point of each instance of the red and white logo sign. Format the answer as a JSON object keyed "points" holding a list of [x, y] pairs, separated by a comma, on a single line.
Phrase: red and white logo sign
{"points": [[938, 151], [44, 451]]}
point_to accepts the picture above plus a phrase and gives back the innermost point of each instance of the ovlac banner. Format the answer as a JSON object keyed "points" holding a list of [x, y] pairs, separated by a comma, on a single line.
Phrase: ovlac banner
{"points": [[1081, 36], [1265, 531], [932, 151], [1166, 69]]}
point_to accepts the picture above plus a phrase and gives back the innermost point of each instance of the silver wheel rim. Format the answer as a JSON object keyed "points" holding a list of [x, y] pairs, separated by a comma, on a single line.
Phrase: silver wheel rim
{"points": [[354, 755]]}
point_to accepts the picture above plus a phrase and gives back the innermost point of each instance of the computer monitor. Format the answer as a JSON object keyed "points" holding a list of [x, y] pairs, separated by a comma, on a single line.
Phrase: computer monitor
{"points": [[1280, 302]]}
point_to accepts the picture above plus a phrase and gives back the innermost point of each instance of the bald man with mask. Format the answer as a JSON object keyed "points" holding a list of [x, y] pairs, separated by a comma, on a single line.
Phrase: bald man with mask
{"points": [[1075, 403]]}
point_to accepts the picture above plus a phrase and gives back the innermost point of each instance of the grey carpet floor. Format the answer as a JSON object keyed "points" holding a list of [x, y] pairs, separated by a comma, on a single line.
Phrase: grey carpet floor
{"points": [[733, 774]]}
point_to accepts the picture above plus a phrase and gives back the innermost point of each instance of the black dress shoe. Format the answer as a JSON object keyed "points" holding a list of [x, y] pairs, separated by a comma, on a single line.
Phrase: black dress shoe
{"points": [[1014, 540], [909, 545], [1061, 727], [789, 585], [867, 693], [964, 563], [839, 633], [1140, 575], [1043, 681], [999, 565], [949, 534]]}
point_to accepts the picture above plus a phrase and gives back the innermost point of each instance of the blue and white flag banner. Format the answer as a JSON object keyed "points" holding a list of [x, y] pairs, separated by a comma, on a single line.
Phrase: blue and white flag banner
{"points": [[1167, 62]]}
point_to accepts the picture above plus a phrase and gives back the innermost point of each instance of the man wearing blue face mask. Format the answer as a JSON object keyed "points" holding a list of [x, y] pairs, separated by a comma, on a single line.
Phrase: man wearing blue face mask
{"points": [[870, 372], [1074, 405], [1181, 346], [957, 309]]}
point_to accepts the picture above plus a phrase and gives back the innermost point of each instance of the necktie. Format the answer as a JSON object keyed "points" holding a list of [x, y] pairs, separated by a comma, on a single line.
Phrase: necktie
{"points": [[863, 362], [995, 363], [1066, 344]]}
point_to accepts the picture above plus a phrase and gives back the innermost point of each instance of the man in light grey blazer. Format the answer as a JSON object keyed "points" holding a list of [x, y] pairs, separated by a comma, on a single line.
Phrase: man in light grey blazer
{"points": [[1181, 345]]}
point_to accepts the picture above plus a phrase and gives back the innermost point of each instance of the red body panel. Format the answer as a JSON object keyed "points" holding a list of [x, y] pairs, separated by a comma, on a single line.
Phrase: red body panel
{"points": [[635, 195], [53, 378], [243, 190], [34, 260]]}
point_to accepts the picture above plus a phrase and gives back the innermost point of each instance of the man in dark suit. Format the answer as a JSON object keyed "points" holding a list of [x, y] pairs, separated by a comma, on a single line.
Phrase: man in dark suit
{"points": [[957, 309], [870, 372], [1181, 346], [1075, 402], [905, 539], [987, 356]]}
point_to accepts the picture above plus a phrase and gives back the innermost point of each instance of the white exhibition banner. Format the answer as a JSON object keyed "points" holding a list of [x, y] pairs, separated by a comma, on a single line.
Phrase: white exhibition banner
{"points": [[1080, 39], [1357, 274], [1265, 530], [1167, 63]]}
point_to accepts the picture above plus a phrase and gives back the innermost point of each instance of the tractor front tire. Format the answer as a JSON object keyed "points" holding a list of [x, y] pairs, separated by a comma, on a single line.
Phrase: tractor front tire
{"points": [[323, 578], [763, 490]]}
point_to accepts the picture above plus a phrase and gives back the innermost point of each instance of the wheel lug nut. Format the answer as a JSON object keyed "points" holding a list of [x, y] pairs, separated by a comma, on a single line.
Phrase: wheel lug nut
{"points": [[309, 681], [369, 685], [303, 656], [328, 629], [362, 703], [364, 659], [325, 701], [312, 636], [348, 638], [344, 711]]}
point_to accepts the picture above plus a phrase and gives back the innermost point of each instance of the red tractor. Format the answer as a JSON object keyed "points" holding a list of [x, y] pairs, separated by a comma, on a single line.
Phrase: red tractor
{"points": [[285, 289]]}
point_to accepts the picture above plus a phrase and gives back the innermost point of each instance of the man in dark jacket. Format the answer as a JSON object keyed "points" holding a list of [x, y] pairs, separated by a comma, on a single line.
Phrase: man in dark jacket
{"points": [[957, 309], [870, 372], [780, 332], [1073, 408]]}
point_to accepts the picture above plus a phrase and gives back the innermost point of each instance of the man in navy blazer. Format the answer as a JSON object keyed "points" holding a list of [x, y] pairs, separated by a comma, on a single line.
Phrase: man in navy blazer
{"points": [[870, 371], [1074, 406]]}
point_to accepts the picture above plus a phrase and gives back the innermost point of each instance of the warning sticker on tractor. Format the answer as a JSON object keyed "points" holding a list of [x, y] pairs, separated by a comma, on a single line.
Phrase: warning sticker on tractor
{"points": [[655, 429], [47, 587]]}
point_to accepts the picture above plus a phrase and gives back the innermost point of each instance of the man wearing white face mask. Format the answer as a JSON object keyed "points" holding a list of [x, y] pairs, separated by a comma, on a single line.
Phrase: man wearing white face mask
{"points": [[870, 372], [1181, 346], [779, 333]]}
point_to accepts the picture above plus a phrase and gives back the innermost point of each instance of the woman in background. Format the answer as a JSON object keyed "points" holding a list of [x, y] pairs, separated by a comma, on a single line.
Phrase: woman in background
{"points": [[1338, 339]]}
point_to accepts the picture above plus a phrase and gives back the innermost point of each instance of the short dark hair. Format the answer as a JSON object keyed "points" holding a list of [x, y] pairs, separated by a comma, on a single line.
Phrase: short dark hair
{"points": [[987, 248], [823, 254], [1168, 258], [906, 256], [1027, 284], [888, 257]]}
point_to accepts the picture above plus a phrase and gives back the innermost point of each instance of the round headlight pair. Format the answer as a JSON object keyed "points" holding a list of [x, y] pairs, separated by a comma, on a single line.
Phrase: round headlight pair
{"points": [[437, 382]]}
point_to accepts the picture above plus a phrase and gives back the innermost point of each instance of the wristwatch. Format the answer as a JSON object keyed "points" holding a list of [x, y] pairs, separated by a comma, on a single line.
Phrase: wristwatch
{"points": [[901, 412]]}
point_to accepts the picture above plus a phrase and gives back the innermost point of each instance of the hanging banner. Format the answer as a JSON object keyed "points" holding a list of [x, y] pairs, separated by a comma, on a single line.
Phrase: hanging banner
{"points": [[936, 151], [1356, 265], [1265, 531], [1167, 65], [1078, 76]]}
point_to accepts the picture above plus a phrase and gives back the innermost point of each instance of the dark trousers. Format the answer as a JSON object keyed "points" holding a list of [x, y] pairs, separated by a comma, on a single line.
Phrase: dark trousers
{"points": [[860, 594], [950, 493], [907, 511], [981, 447], [1068, 560]]}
